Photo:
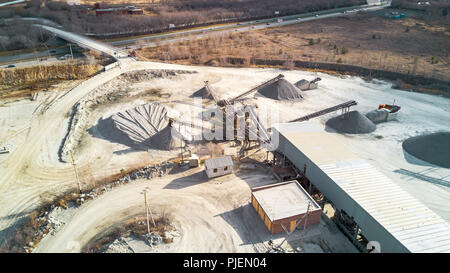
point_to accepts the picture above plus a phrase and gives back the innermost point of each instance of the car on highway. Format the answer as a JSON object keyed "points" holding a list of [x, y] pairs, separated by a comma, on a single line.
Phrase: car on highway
{"points": [[10, 66]]}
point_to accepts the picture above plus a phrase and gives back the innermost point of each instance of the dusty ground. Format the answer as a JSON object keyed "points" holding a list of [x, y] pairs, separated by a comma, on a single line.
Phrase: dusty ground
{"points": [[210, 215], [368, 40], [32, 172]]}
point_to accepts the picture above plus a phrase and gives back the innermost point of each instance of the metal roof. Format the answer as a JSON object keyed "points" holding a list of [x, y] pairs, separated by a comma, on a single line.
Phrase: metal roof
{"points": [[384, 211], [284, 200], [218, 162]]}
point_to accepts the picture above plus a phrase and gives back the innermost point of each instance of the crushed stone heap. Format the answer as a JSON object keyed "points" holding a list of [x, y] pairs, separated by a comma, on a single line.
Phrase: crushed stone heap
{"points": [[281, 90], [377, 116], [136, 126], [202, 93], [166, 139], [352, 122], [432, 148]]}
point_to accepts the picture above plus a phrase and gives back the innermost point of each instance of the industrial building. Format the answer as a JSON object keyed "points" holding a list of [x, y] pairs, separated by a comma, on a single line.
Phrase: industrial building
{"points": [[218, 166], [368, 204], [285, 205]]}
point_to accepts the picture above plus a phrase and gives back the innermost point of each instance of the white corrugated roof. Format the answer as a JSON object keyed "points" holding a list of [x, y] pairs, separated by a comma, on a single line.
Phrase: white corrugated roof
{"points": [[417, 227], [218, 162]]}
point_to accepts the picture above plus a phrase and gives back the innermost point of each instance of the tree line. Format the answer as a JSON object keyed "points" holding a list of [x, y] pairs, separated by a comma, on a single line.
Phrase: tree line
{"points": [[157, 16]]}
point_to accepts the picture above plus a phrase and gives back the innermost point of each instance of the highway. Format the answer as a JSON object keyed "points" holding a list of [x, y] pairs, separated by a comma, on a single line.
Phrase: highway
{"points": [[118, 49], [244, 26]]}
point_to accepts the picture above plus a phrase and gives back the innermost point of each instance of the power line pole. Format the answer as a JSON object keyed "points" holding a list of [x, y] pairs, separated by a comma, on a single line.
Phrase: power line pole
{"points": [[147, 210], [304, 226], [76, 172], [298, 223], [71, 53]]}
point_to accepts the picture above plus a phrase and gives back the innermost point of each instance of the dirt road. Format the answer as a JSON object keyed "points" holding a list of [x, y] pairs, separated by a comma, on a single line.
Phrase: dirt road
{"points": [[206, 212], [32, 172]]}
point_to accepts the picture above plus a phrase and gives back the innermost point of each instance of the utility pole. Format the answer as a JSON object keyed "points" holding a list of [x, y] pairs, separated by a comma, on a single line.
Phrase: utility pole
{"points": [[147, 210], [71, 53], [76, 172], [292, 231], [304, 226]]}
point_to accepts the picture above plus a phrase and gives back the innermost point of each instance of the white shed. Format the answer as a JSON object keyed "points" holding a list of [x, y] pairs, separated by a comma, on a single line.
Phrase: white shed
{"points": [[218, 166]]}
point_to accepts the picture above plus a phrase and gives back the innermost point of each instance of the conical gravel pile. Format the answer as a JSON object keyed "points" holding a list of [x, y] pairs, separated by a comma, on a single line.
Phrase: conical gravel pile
{"points": [[203, 93], [378, 116], [166, 139], [351, 123], [281, 90], [432, 148], [133, 127]]}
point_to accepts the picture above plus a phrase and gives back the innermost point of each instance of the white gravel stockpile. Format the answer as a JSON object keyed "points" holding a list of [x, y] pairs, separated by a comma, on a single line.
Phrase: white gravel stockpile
{"points": [[134, 127], [377, 116]]}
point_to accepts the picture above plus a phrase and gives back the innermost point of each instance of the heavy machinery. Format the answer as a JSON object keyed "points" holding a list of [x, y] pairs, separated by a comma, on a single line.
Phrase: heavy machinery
{"points": [[4, 150], [391, 109], [253, 128]]}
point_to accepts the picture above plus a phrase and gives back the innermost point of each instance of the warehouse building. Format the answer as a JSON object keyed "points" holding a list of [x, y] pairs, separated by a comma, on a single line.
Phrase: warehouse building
{"points": [[370, 204], [285, 205], [218, 166]]}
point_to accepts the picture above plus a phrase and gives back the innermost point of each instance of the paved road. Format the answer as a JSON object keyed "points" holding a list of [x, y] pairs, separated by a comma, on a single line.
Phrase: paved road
{"points": [[147, 41], [245, 26]]}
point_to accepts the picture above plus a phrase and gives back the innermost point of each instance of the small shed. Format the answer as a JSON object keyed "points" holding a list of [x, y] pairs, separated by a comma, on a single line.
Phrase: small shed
{"points": [[218, 166], [284, 204]]}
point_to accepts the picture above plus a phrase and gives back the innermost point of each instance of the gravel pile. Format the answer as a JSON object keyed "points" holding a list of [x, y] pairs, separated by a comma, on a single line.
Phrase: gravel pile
{"points": [[351, 123], [134, 127], [281, 90], [166, 139], [432, 148], [377, 116], [202, 93]]}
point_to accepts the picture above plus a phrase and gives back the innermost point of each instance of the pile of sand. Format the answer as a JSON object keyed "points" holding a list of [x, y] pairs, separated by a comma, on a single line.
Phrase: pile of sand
{"points": [[302, 84], [141, 127], [351, 123], [203, 93], [432, 148], [378, 116], [166, 139], [281, 90]]}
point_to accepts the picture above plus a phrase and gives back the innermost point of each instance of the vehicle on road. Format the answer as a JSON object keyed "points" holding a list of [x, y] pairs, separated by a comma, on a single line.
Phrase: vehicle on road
{"points": [[10, 66]]}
